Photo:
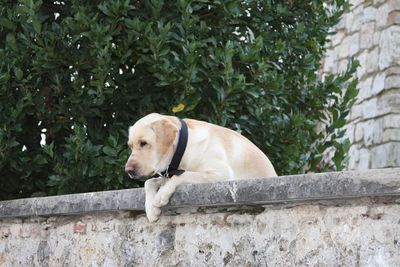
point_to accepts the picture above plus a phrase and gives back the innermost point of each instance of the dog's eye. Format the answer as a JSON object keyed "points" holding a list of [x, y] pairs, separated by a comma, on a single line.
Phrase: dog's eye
{"points": [[142, 143]]}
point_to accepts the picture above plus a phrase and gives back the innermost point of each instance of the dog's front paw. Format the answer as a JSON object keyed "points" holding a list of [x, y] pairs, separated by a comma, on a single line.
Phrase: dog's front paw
{"points": [[152, 213], [162, 197], [160, 200]]}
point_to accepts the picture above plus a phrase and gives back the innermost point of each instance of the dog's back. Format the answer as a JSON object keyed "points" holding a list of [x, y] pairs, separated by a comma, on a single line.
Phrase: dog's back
{"points": [[245, 159]]}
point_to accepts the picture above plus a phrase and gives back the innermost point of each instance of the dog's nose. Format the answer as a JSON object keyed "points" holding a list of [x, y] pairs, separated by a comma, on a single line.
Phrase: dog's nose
{"points": [[128, 168]]}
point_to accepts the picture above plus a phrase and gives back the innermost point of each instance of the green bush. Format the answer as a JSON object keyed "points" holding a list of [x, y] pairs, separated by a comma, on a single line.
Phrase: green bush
{"points": [[80, 72]]}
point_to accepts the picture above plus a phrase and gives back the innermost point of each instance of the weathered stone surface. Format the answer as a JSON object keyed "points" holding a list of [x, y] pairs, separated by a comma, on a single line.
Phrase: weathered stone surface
{"points": [[365, 233], [389, 47], [391, 121], [354, 156], [367, 35], [394, 17], [336, 185], [331, 219], [355, 113], [393, 82], [382, 14], [365, 87], [369, 109], [129, 199], [369, 14], [379, 84], [364, 162], [389, 102], [391, 135], [372, 132], [384, 155], [370, 63]]}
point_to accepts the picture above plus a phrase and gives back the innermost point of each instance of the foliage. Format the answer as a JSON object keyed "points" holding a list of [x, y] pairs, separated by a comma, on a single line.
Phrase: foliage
{"points": [[78, 73]]}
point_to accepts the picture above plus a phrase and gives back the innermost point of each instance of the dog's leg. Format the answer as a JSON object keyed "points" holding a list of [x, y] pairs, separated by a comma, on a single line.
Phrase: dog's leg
{"points": [[150, 187], [164, 194]]}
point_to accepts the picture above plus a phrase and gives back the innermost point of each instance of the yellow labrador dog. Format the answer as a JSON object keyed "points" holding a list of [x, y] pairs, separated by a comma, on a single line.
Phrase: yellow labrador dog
{"points": [[188, 151]]}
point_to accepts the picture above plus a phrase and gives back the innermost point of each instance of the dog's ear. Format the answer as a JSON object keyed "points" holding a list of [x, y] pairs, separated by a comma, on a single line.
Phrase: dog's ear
{"points": [[165, 133]]}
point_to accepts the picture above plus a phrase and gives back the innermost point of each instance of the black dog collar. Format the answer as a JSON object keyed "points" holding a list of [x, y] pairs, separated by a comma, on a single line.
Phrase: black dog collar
{"points": [[180, 150]]}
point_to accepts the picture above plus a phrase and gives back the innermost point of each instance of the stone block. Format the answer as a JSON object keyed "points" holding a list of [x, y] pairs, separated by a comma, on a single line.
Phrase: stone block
{"points": [[355, 112], [362, 58], [369, 14], [391, 135], [385, 155], [389, 102], [359, 132], [389, 44], [378, 84], [356, 3], [354, 40], [354, 24], [376, 38], [367, 35], [382, 14], [371, 61], [337, 38], [372, 132], [364, 159], [394, 70], [393, 17], [354, 157], [341, 25], [369, 108], [344, 48], [393, 82], [391, 121], [365, 87], [377, 131]]}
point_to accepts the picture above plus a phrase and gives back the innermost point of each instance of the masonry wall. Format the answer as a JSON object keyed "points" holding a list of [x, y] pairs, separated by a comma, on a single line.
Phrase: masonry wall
{"points": [[305, 235], [332, 219], [371, 33]]}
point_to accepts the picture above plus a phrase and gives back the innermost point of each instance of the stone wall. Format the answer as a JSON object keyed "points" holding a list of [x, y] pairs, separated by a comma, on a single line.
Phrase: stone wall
{"points": [[371, 33], [331, 219]]}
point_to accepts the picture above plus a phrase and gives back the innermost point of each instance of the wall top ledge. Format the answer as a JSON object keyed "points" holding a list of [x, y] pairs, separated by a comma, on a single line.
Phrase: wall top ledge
{"points": [[284, 189]]}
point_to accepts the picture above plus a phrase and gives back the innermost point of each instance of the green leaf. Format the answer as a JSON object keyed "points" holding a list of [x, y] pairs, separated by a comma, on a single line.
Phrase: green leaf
{"points": [[6, 23], [105, 10], [10, 40], [37, 26], [19, 74], [109, 151]]}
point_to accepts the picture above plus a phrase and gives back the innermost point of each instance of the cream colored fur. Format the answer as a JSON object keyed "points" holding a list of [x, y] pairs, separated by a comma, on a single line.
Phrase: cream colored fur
{"points": [[213, 154]]}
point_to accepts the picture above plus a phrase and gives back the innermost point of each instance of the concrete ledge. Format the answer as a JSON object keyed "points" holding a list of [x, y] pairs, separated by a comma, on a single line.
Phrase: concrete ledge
{"points": [[284, 189]]}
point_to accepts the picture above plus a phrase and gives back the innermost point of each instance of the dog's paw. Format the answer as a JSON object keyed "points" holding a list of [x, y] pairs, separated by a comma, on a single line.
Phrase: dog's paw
{"points": [[160, 200], [162, 197], [153, 213]]}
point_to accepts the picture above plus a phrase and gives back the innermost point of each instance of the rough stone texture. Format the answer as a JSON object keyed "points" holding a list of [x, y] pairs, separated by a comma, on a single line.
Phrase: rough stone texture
{"points": [[128, 199], [323, 186], [365, 233], [332, 219], [370, 32]]}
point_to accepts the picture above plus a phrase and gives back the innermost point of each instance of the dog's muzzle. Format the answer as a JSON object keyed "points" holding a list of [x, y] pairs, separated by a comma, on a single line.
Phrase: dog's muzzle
{"points": [[131, 172]]}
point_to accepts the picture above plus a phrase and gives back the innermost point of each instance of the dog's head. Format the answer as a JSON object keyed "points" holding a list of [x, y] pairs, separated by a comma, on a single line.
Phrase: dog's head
{"points": [[151, 140]]}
